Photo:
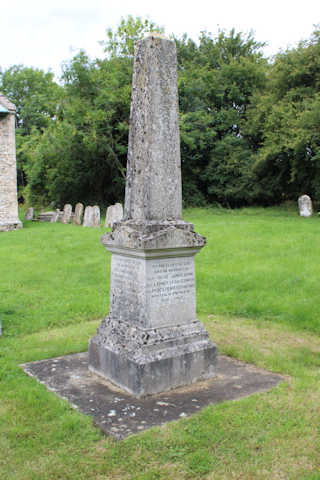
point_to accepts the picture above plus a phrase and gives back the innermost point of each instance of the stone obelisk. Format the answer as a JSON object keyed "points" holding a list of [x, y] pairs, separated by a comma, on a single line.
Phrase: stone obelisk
{"points": [[151, 341], [9, 219]]}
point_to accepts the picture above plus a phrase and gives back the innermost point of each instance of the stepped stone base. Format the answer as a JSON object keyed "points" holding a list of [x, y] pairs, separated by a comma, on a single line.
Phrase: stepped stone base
{"points": [[119, 414], [145, 362]]}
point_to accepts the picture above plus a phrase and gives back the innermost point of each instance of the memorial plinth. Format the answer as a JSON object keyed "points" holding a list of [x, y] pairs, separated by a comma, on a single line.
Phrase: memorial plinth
{"points": [[151, 341]]}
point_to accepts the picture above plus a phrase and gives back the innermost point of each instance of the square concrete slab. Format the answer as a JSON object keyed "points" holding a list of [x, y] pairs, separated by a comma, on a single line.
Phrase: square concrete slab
{"points": [[120, 414]]}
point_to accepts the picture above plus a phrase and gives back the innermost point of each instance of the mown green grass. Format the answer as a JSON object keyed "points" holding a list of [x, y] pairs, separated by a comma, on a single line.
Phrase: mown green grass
{"points": [[260, 263], [52, 275], [54, 288]]}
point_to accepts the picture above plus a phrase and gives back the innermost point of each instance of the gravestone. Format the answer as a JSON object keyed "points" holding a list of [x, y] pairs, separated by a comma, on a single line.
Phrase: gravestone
{"points": [[114, 214], [88, 217], [305, 206], [29, 214], [78, 213], [9, 219], [45, 216], [67, 213], [151, 341], [55, 216], [96, 216]]}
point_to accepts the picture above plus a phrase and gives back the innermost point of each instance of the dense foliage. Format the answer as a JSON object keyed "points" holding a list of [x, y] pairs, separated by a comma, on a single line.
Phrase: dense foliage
{"points": [[285, 123], [216, 81], [36, 97], [249, 126]]}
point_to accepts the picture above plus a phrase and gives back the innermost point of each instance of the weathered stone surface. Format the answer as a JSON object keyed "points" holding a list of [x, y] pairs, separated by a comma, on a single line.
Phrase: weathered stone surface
{"points": [[171, 366], [88, 217], [305, 206], [169, 283], [151, 235], [45, 216], [118, 212], [78, 214], [153, 186], [55, 216], [108, 222], [29, 214], [96, 216], [67, 213], [151, 340], [119, 414], [114, 214], [9, 219]]}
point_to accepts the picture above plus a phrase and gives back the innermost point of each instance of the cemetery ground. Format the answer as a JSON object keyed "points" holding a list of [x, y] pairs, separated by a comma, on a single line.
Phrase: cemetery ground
{"points": [[258, 296]]}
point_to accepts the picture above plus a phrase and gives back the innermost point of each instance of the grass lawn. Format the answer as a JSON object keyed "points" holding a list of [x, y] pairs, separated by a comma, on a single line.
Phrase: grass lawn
{"points": [[257, 293]]}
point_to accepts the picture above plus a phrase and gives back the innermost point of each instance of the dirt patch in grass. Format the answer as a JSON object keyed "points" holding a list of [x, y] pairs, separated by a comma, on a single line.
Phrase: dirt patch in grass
{"points": [[267, 339]]}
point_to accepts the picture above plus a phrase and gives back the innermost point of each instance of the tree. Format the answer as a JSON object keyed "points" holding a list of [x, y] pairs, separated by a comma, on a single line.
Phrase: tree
{"points": [[284, 123], [121, 42], [217, 80], [36, 97], [82, 156]]}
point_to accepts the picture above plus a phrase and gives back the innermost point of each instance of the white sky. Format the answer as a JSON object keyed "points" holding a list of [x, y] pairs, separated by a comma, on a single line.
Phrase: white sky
{"points": [[44, 33]]}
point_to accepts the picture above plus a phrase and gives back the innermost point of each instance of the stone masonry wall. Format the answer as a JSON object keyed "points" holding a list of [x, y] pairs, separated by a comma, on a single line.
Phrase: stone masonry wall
{"points": [[9, 219]]}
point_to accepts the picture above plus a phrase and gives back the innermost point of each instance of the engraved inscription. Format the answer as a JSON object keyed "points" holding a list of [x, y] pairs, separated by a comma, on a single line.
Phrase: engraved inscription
{"points": [[127, 299], [152, 293], [124, 273], [171, 282]]}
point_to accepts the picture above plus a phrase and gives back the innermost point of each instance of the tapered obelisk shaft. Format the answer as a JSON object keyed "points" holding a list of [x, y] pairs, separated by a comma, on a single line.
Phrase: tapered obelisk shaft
{"points": [[153, 188]]}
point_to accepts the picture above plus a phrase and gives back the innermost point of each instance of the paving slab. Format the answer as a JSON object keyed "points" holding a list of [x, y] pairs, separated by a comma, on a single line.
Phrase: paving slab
{"points": [[120, 414]]}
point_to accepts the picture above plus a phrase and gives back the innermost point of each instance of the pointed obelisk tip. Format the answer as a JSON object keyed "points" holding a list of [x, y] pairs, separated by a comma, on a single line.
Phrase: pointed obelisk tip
{"points": [[157, 35]]}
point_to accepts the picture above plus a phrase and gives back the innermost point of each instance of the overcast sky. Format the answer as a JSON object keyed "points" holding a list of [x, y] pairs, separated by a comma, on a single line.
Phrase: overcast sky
{"points": [[44, 33]]}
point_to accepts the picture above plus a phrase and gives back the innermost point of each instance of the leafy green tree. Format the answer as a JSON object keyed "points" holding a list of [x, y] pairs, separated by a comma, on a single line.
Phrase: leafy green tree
{"points": [[284, 123], [36, 97], [82, 156], [217, 80], [121, 42]]}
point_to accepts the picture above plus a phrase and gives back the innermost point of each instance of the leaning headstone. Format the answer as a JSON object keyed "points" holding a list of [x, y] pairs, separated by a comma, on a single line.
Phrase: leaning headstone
{"points": [[9, 219], [55, 216], [29, 213], [109, 222], [45, 216], [305, 206], [96, 216], [88, 217], [118, 212], [151, 341], [78, 213], [67, 212], [114, 214]]}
